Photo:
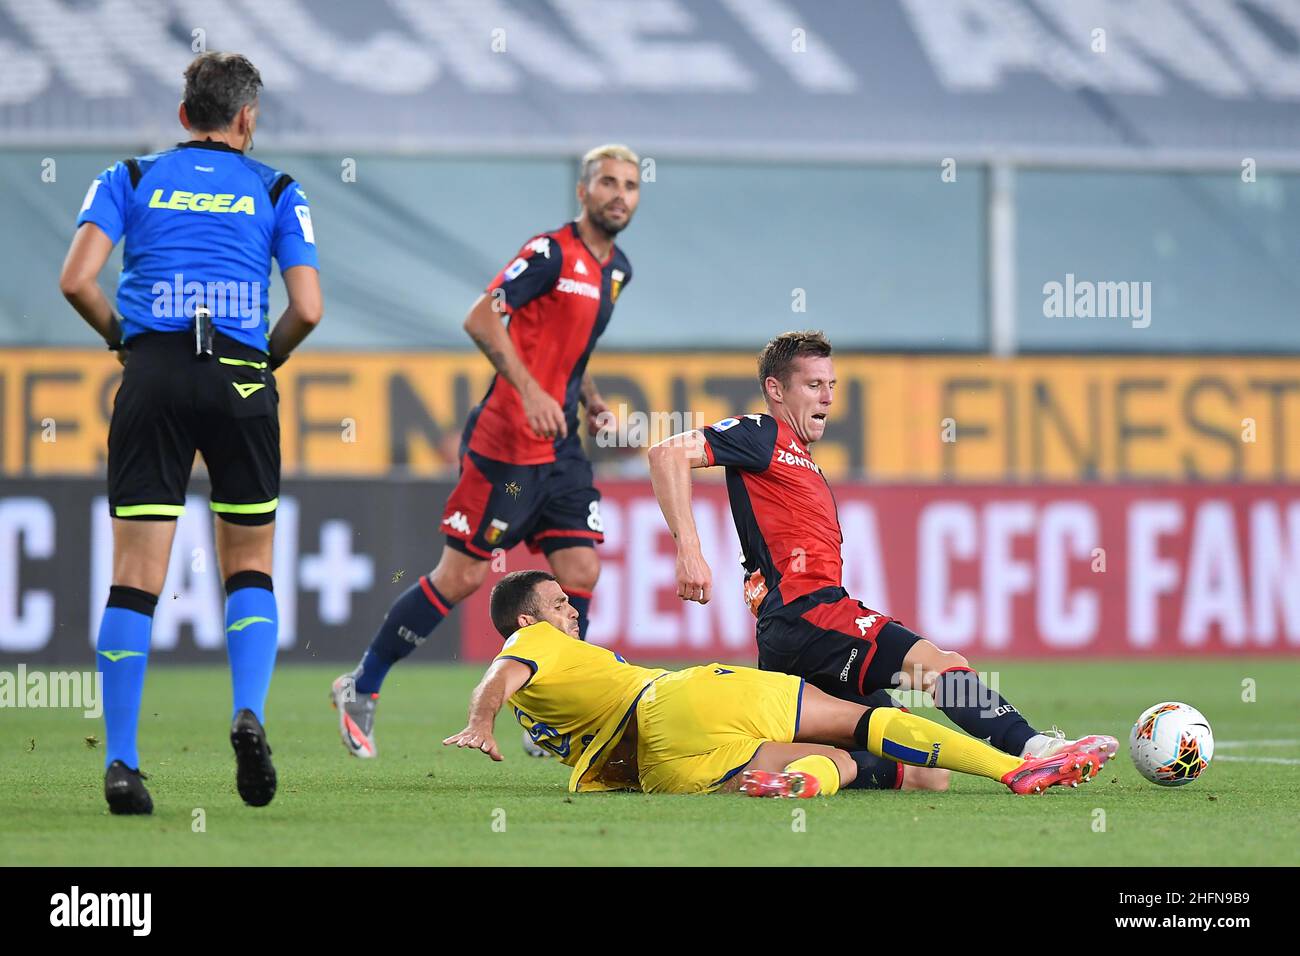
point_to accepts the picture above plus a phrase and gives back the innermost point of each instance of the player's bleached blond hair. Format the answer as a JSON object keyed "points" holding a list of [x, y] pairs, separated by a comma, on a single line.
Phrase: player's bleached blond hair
{"points": [[591, 161]]}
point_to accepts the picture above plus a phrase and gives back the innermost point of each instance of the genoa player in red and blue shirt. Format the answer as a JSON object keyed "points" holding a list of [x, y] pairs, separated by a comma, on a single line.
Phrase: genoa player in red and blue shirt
{"points": [[523, 474], [789, 529]]}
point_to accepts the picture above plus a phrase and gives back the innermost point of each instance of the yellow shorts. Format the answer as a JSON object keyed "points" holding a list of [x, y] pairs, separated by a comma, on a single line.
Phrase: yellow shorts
{"points": [[698, 727]]}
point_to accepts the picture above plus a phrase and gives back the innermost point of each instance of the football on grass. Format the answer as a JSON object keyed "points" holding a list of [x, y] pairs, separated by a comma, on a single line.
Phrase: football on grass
{"points": [[1171, 744]]}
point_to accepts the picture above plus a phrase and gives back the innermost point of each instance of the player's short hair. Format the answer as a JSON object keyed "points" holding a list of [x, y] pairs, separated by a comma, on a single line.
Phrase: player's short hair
{"points": [[778, 355], [217, 87], [591, 161], [515, 594]]}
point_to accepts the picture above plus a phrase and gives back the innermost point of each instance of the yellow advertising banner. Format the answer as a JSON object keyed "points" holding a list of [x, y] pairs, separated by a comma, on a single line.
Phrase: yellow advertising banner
{"points": [[895, 417]]}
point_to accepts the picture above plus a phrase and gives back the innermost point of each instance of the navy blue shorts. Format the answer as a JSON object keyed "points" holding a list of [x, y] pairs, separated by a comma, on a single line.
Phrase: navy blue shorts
{"points": [[835, 643], [496, 504]]}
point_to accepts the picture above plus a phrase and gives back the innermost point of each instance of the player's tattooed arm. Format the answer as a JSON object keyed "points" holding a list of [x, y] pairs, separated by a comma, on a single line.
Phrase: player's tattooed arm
{"points": [[671, 462], [690, 445], [483, 324], [502, 679], [485, 328]]}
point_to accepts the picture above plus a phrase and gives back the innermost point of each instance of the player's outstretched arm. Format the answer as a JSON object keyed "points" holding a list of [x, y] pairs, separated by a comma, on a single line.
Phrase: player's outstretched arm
{"points": [[671, 462], [502, 679], [484, 326]]}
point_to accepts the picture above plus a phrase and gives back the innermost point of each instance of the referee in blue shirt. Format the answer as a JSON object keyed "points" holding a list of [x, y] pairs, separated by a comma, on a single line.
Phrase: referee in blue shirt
{"points": [[201, 222]]}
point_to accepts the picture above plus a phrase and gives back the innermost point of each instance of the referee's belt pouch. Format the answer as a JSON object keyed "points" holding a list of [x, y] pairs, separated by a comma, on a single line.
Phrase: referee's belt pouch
{"points": [[249, 386]]}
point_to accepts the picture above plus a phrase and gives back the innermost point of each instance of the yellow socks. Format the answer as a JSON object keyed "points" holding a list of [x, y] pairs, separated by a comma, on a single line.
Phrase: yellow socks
{"points": [[821, 767], [907, 738]]}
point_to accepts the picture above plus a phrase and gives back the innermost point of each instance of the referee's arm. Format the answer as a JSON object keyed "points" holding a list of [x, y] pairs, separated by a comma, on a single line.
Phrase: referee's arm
{"points": [[79, 281], [302, 284]]}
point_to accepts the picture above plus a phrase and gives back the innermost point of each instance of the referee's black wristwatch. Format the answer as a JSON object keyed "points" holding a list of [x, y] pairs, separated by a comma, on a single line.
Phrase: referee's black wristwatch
{"points": [[115, 342]]}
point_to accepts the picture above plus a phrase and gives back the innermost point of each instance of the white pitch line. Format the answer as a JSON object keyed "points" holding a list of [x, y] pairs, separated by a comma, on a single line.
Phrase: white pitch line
{"points": [[1255, 743], [1285, 760]]}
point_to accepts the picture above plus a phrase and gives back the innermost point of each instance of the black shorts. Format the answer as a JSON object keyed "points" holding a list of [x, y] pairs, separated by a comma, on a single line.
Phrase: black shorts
{"points": [[835, 643], [171, 404], [496, 504]]}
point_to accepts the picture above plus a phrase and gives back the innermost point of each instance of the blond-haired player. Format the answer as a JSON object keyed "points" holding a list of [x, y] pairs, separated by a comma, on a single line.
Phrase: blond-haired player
{"points": [[524, 478]]}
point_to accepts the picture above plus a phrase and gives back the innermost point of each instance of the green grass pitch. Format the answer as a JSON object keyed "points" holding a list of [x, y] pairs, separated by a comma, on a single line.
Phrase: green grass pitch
{"points": [[423, 804]]}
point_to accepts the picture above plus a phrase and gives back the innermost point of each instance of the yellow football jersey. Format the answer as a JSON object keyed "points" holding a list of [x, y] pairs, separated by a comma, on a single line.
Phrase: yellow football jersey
{"points": [[578, 700]]}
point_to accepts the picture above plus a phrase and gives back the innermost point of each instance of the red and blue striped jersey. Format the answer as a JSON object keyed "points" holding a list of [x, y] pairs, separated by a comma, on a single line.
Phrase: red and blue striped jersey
{"points": [[559, 298], [785, 514]]}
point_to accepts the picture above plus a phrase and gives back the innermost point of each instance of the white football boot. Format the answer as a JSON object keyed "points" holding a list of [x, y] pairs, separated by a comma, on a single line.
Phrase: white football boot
{"points": [[356, 717], [1041, 746]]}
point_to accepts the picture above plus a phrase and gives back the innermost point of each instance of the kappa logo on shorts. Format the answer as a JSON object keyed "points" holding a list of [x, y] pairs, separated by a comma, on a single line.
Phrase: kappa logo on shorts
{"points": [[864, 623], [247, 388], [844, 674], [457, 522]]}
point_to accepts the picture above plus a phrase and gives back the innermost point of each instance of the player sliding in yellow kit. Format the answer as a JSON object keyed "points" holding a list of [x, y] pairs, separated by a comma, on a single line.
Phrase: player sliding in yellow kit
{"points": [[703, 729]]}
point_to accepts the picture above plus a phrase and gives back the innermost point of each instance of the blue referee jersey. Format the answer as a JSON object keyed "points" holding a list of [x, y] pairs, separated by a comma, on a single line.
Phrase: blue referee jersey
{"points": [[202, 222]]}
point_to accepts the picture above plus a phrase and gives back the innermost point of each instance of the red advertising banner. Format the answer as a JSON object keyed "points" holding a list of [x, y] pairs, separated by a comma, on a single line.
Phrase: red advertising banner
{"points": [[1015, 571]]}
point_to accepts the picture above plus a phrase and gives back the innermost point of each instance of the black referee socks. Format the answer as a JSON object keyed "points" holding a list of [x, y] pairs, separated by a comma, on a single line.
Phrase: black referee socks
{"points": [[248, 579]]}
